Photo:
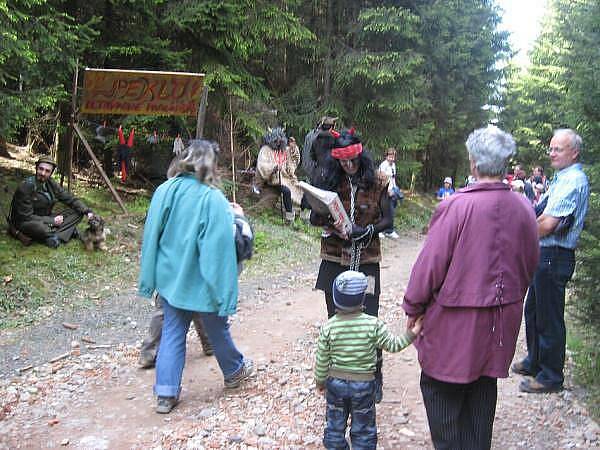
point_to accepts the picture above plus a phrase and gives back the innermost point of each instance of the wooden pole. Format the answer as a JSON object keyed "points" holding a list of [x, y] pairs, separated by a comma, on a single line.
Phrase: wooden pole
{"points": [[231, 146], [73, 115], [99, 167], [201, 113]]}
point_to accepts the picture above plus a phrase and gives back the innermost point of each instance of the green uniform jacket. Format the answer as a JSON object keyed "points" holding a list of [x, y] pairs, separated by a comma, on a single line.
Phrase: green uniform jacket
{"points": [[31, 209]]}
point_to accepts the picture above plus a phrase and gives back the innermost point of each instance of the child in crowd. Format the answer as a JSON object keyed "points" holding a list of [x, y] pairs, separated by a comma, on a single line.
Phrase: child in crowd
{"points": [[446, 190], [346, 356]]}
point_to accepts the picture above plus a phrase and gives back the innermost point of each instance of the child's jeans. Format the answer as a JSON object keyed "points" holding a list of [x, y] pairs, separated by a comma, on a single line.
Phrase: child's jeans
{"points": [[355, 399]]}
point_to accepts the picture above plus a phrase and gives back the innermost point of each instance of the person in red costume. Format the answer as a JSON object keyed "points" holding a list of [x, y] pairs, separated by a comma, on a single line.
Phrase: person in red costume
{"points": [[124, 153]]}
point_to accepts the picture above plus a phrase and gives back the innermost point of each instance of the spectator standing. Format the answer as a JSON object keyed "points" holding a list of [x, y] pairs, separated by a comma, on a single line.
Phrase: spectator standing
{"points": [[469, 280], [446, 190], [388, 168], [567, 196]]}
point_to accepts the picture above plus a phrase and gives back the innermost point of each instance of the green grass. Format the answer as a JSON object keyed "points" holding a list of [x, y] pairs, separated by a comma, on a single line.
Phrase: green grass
{"points": [[584, 346], [414, 212], [277, 245], [68, 277], [37, 278]]}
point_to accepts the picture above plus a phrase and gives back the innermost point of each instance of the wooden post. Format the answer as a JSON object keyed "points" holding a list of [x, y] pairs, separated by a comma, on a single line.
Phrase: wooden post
{"points": [[231, 145], [99, 167], [71, 134], [202, 113]]}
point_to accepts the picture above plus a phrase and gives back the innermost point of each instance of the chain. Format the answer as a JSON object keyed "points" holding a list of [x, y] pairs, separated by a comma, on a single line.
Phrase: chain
{"points": [[356, 247]]}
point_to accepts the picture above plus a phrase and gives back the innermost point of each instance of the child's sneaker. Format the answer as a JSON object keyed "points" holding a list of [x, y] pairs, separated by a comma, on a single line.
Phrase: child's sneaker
{"points": [[242, 375]]}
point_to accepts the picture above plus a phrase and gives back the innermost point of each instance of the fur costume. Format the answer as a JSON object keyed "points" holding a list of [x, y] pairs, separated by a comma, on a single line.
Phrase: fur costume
{"points": [[276, 157]]}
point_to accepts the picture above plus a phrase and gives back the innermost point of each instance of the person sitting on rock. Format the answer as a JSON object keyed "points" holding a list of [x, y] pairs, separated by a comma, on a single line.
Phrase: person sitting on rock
{"points": [[31, 216], [276, 167]]}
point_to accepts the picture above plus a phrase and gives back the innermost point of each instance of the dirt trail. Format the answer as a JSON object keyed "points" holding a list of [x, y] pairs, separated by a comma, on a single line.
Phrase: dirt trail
{"points": [[101, 400]]}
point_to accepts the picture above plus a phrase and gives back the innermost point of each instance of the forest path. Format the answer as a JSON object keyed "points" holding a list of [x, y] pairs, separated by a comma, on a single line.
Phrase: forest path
{"points": [[101, 400]]}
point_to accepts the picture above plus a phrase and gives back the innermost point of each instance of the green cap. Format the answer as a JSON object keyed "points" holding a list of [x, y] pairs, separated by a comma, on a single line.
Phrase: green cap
{"points": [[45, 159]]}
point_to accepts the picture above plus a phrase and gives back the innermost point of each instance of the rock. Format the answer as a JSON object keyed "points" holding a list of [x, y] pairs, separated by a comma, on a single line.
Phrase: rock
{"points": [[207, 412], [259, 430], [195, 443], [407, 432], [64, 442], [400, 420], [310, 439], [235, 438], [265, 442], [591, 432]]}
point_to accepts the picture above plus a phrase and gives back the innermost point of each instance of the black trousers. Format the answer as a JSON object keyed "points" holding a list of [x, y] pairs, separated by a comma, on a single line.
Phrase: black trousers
{"points": [[286, 196], [40, 231], [461, 416]]}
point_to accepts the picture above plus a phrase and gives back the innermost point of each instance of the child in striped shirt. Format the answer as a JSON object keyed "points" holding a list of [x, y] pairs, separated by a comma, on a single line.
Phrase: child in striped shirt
{"points": [[346, 357]]}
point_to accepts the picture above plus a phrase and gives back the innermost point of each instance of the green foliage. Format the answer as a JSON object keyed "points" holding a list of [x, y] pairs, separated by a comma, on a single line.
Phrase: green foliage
{"points": [[583, 346], [412, 75], [414, 213], [40, 44], [561, 88]]}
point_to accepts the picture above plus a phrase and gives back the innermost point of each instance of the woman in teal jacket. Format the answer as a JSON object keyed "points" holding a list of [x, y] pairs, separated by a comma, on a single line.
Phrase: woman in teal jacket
{"points": [[189, 259]]}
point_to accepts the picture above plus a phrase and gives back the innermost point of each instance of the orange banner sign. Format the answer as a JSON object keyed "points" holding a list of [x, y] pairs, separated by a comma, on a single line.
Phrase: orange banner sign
{"points": [[141, 92]]}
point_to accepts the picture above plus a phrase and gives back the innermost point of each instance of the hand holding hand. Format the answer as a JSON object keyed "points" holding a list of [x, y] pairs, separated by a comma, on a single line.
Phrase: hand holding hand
{"points": [[58, 220], [418, 326], [410, 322]]}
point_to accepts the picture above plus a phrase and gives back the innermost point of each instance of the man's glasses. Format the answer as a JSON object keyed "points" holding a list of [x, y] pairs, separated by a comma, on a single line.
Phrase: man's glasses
{"points": [[555, 150]]}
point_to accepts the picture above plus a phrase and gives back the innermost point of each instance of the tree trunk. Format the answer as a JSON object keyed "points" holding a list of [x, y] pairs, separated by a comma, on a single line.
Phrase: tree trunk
{"points": [[3, 150]]}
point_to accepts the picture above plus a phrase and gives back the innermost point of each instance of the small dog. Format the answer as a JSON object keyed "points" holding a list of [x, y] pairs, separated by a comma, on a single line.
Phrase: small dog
{"points": [[94, 236]]}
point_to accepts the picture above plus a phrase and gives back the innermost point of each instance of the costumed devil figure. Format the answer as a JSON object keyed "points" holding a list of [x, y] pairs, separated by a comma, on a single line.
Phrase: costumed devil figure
{"points": [[363, 192], [276, 166]]}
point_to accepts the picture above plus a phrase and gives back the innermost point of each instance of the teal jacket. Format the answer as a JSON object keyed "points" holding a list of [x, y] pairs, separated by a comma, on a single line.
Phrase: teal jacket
{"points": [[188, 251]]}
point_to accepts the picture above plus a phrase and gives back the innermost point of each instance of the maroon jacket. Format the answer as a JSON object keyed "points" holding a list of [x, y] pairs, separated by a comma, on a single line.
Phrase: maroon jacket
{"points": [[470, 279]]}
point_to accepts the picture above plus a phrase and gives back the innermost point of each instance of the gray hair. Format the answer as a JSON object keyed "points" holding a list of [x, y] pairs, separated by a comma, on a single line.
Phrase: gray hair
{"points": [[199, 158], [576, 141], [490, 148]]}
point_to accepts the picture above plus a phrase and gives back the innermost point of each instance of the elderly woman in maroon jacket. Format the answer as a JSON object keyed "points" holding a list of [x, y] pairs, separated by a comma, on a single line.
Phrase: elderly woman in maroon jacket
{"points": [[469, 280]]}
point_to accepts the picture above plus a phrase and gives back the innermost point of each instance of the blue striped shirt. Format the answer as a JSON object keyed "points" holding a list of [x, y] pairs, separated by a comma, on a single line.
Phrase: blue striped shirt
{"points": [[568, 194]]}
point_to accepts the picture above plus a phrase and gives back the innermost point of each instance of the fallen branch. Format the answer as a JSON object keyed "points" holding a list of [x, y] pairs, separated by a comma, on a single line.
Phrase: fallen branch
{"points": [[70, 326], [93, 347], [87, 340], [24, 369], [59, 357]]}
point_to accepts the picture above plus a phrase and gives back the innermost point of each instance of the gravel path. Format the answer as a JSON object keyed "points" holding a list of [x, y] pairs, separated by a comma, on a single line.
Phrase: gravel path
{"points": [[99, 399]]}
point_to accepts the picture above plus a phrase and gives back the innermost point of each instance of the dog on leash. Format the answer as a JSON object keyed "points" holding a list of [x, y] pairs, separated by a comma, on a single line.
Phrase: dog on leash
{"points": [[94, 237]]}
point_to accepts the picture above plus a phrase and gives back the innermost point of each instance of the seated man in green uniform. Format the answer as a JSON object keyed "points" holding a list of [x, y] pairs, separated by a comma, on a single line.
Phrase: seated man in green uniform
{"points": [[31, 215]]}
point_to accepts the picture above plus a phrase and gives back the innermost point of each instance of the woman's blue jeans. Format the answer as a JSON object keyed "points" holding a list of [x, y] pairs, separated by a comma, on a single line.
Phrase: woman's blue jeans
{"points": [[171, 351]]}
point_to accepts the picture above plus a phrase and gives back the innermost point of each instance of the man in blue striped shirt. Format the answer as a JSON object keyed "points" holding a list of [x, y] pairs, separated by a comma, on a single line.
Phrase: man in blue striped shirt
{"points": [[567, 203]]}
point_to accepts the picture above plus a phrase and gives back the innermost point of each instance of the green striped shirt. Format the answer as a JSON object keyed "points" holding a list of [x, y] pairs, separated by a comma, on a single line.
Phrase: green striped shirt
{"points": [[349, 343]]}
